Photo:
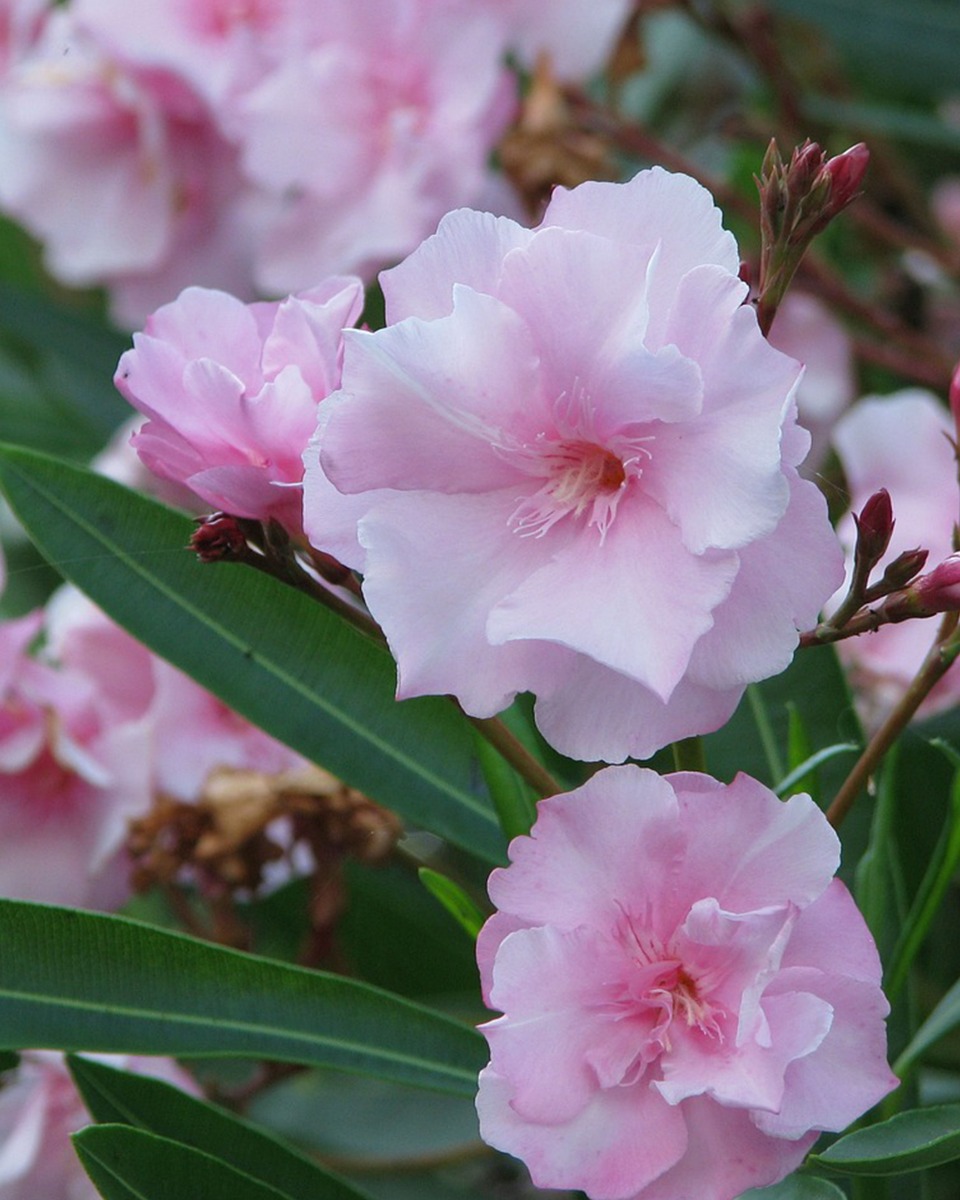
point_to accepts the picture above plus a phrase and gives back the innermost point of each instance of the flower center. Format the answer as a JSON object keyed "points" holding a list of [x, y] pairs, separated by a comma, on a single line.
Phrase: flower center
{"points": [[579, 476]]}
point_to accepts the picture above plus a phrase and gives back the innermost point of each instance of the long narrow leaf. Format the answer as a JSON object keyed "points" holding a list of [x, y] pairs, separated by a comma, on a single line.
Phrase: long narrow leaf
{"points": [[119, 1097], [85, 981], [278, 658], [129, 1164]]}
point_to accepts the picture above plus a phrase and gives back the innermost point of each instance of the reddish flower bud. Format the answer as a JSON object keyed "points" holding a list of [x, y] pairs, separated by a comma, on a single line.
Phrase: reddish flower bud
{"points": [[939, 591], [846, 173], [874, 527], [219, 538]]}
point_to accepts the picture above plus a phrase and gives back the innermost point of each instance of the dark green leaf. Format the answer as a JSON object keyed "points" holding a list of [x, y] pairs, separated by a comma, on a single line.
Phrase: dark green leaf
{"points": [[395, 935], [129, 1164], [797, 1187], [119, 1097], [84, 981], [56, 375], [910, 1141], [281, 660]]}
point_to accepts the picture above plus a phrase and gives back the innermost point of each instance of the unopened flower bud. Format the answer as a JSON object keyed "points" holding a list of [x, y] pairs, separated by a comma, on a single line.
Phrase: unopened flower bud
{"points": [[846, 172], [219, 538], [874, 527], [904, 568], [939, 590]]}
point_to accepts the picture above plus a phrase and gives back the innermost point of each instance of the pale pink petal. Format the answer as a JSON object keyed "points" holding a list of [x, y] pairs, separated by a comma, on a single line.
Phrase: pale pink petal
{"points": [[726, 1156], [468, 248], [611, 1150], [596, 851], [848, 1072], [644, 622]]}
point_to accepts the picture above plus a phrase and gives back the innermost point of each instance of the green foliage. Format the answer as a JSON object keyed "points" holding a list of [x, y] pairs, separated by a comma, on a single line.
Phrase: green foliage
{"points": [[82, 981], [910, 1141], [130, 1164], [121, 1098]]}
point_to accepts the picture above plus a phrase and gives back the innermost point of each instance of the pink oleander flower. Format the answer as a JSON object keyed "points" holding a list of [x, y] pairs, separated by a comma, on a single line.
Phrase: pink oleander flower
{"points": [[379, 125], [231, 392], [121, 170], [69, 780], [688, 995], [899, 442], [39, 1109], [568, 466]]}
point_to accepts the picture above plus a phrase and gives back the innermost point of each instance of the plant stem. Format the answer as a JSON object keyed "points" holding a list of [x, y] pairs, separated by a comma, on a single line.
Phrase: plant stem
{"points": [[936, 664], [527, 765], [688, 755]]}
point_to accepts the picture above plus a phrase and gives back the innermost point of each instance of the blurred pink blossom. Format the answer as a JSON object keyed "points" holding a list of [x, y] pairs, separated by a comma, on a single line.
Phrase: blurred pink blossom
{"points": [[231, 392], [69, 780], [120, 171], [365, 138], [191, 732], [39, 1109], [569, 467], [899, 442], [93, 729], [689, 996], [578, 36]]}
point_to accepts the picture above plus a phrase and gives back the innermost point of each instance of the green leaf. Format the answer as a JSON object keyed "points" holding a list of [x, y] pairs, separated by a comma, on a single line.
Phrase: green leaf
{"points": [[395, 935], [910, 1141], [85, 981], [944, 1018], [283, 661], [455, 900], [796, 780], [516, 805], [797, 1187], [56, 375], [926, 903], [120, 1097], [879, 889], [129, 1164]]}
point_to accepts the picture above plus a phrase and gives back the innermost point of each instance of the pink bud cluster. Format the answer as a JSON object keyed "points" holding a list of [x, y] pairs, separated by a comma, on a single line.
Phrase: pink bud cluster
{"points": [[259, 147]]}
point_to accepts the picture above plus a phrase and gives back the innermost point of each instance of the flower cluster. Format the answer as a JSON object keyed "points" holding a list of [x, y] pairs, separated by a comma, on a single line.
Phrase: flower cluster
{"points": [[688, 995], [259, 146]]}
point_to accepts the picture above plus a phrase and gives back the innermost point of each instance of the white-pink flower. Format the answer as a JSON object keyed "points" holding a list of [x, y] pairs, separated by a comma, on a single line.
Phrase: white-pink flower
{"points": [[40, 1108], [121, 171], [231, 392], [688, 995], [569, 467], [899, 442]]}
